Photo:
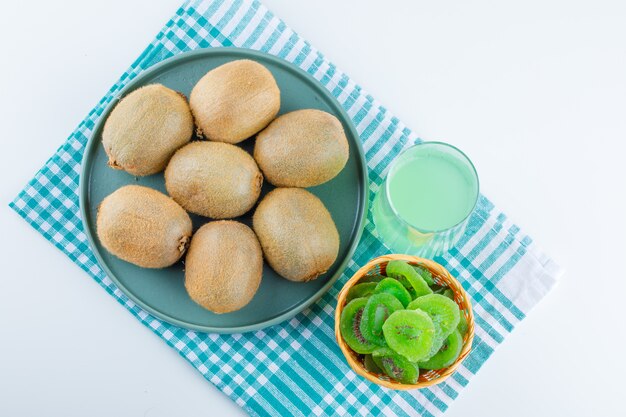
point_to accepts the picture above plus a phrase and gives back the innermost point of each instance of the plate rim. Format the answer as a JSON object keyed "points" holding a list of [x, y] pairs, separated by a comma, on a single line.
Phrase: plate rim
{"points": [[241, 53]]}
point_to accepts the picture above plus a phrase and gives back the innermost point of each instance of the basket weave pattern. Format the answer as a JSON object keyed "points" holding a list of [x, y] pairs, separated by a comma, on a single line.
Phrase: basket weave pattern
{"points": [[441, 276]]}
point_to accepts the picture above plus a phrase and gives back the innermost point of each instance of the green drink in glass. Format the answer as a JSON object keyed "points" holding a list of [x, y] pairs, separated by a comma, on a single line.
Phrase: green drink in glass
{"points": [[424, 204]]}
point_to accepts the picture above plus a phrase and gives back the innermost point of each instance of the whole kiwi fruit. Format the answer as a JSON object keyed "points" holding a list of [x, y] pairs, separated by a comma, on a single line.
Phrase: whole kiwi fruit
{"points": [[143, 226], [145, 128], [234, 101], [297, 233], [223, 267], [302, 148], [213, 179]]}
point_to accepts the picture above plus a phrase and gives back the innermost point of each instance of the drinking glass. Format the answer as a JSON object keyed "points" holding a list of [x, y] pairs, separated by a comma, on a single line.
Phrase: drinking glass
{"points": [[424, 203]]}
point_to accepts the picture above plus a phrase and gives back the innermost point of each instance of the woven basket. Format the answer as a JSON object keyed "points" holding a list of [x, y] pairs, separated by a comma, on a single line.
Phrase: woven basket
{"points": [[442, 277]]}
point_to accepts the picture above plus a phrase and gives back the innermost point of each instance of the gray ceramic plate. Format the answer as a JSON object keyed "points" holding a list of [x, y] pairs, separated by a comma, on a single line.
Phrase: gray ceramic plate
{"points": [[162, 292]]}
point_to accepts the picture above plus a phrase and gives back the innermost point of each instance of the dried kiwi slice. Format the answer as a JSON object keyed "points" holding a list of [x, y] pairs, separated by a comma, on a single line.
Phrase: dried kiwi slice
{"points": [[408, 277], [350, 326], [462, 327], [361, 290], [443, 290], [408, 287], [393, 287], [448, 353], [378, 308], [425, 274], [378, 356], [371, 278], [410, 333], [444, 313], [438, 289], [371, 365], [396, 366]]}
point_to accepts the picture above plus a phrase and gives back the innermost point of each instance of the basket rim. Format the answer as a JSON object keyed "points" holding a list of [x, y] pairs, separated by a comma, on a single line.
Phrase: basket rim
{"points": [[441, 272]]}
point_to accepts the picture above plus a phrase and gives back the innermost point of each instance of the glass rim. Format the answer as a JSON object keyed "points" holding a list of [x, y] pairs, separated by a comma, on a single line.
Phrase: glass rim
{"points": [[394, 165]]}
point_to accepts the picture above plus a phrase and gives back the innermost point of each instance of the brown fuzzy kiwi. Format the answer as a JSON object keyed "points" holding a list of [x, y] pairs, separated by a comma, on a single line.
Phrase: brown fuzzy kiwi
{"points": [[297, 234], [145, 128], [223, 267], [213, 179], [234, 101], [303, 148], [143, 226]]}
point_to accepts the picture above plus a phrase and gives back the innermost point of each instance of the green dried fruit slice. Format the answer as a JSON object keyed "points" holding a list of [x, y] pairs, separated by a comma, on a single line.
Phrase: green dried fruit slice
{"points": [[462, 327], [393, 287], [441, 290], [438, 289], [377, 358], [408, 287], [448, 293], [444, 313], [350, 326], [371, 365], [396, 366], [425, 274], [410, 333], [377, 309], [361, 290], [448, 353], [408, 277], [371, 278]]}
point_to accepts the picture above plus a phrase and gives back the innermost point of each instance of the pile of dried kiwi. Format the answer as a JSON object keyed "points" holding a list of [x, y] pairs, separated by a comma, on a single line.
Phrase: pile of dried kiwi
{"points": [[151, 130], [403, 322]]}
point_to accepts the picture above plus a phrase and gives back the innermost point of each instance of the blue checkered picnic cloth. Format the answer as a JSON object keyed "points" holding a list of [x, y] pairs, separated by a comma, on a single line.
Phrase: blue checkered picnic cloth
{"points": [[296, 368]]}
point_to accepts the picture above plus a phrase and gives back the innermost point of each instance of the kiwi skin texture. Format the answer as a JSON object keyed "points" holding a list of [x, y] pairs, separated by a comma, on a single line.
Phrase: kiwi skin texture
{"points": [[303, 148], [213, 179], [298, 236], [145, 128], [234, 101], [143, 226], [224, 266]]}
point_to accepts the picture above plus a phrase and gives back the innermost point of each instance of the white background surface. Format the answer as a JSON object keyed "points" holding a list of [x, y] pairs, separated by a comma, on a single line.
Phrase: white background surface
{"points": [[533, 91]]}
